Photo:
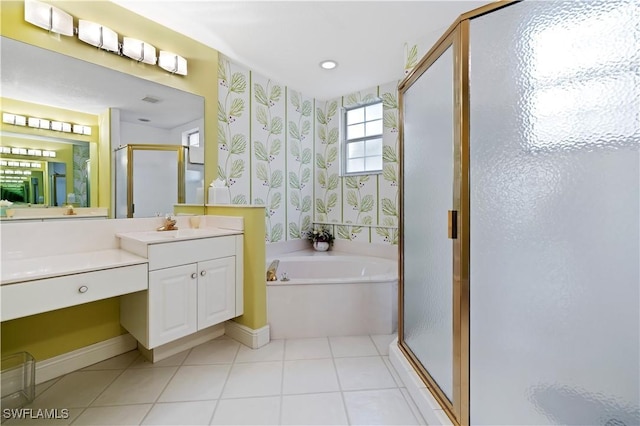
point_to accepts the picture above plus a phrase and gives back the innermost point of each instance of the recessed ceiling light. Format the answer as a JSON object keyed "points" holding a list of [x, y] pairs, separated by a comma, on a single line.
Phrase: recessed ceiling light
{"points": [[144, 120], [328, 65]]}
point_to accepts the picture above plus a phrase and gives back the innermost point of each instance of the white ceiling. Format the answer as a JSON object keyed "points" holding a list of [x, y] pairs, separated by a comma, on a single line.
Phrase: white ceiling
{"points": [[286, 40]]}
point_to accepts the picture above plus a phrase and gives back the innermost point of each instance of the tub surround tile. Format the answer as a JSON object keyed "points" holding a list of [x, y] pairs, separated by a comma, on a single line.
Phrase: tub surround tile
{"points": [[112, 416], [196, 382], [314, 409], [181, 413], [347, 346], [309, 376], [379, 407], [312, 348], [363, 373], [248, 411]]}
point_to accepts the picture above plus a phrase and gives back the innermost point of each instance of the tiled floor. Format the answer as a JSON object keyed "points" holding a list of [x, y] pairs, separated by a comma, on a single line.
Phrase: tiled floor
{"points": [[336, 380]]}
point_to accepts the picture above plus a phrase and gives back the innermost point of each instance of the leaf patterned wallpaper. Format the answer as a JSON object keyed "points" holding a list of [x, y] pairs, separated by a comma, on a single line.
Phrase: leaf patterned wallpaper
{"points": [[280, 149], [80, 178]]}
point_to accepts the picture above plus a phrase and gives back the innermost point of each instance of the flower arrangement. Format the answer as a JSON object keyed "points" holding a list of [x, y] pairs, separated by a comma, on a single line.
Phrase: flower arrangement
{"points": [[320, 235], [5, 203]]}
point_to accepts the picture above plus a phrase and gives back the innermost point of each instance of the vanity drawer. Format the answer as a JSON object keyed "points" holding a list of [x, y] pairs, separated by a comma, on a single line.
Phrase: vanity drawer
{"points": [[166, 255], [33, 297]]}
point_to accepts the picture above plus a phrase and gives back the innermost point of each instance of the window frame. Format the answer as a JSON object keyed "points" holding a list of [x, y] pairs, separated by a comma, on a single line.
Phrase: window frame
{"points": [[344, 142]]}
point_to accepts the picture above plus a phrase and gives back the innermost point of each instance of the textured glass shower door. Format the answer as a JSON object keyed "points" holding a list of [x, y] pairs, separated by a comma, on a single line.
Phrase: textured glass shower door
{"points": [[555, 212], [427, 259]]}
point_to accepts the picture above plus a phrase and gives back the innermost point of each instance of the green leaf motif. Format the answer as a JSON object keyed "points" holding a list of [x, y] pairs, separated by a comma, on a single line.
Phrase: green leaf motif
{"points": [[259, 201], [333, 182], [351, 182], [332, 155], [334, 135], [322, 134], [343, 232], [276, 233], [239, 199], [352, 99], [320, 163], [389, 221], [390, 120], [260, 95], [320, 207], [237, 106], [276, 179], [306, 109], [306, 175], [306, 128], [367, 203], [364, 178], [389, 207], [236, 169], [295, 148], [222, 115], [389, 154], [276, 126], [221, 173], [222, 70], [320, 116], [322, 178], [294, 200], [260, 151], [275, 148], [352, 199], [306, 204], [261, 116], [222, 136], [276, 91], [367, 220], [295, 99], [332, 201], [262, 173], [389, 173], [294, 182], [293, 130], [333, 108], [306, 222], [389, 101], [370, 97], [238, 144], [412, 57], [238, 83], [306, 156], [275, 201], [294, 231]]}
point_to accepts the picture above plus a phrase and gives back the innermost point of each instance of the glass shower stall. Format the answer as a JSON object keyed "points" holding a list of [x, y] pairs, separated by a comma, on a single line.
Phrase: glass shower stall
{"points": [[520, 223]]}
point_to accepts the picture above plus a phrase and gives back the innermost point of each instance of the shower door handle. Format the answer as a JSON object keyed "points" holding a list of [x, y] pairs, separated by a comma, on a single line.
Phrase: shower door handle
{"points": [[453, 224]]}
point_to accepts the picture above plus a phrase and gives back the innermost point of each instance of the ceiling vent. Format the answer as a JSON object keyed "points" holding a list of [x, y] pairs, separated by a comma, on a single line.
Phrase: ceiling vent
{"points": [[151, 99]]}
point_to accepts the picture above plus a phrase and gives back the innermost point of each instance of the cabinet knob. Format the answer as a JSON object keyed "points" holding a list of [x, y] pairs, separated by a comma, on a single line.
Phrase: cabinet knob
{"points": [[83, 289], [203, 273], [194, 276]]}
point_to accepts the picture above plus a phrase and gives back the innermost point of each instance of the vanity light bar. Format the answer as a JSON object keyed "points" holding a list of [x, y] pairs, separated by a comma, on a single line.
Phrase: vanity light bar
{"points": [[41, 123], [25, 151]]}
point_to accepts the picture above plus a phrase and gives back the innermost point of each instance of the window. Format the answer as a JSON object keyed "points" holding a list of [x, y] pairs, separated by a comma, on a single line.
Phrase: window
{"points": [[193, 138], [362, 139]]}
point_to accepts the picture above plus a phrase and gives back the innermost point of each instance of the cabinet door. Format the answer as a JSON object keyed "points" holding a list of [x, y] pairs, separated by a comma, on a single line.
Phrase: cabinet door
{"points": [[172, 303], [216, 291]]}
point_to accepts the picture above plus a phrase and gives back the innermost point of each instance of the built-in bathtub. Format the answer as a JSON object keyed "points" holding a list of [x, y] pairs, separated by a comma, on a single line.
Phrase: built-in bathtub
{"points": [[332, 294]]}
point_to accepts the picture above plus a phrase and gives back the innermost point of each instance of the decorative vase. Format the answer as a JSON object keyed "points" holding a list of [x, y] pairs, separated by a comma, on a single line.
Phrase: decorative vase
{"points": [[321, 245]]}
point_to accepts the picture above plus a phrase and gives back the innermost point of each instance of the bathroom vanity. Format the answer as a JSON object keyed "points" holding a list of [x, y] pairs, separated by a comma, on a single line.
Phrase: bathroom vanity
{"points": [[195, 281]]}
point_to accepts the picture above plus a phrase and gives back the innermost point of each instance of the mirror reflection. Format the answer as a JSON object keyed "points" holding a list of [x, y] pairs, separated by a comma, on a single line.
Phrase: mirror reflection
{"points": [[121, 111]]}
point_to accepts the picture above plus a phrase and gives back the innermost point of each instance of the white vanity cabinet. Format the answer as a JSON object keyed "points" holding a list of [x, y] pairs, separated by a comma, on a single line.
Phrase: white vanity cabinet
{"points": [[193, 284]]}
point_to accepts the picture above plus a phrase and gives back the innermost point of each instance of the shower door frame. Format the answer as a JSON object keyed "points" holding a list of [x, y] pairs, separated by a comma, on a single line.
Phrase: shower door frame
{"points": [[456, 37]]}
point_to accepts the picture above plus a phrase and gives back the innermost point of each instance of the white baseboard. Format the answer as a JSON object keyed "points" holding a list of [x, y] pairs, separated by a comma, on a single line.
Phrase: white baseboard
{"points": [[71, 361], [172, 348], [247, 336], [421, 395]]}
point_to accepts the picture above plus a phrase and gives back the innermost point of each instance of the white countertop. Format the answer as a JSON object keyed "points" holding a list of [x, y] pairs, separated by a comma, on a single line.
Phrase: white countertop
{"points": [[53, 216], [158, 237], [26, 269]]}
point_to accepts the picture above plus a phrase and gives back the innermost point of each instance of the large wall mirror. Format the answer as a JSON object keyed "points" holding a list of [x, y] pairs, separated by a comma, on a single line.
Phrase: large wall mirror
{"points": [[150, 117]]}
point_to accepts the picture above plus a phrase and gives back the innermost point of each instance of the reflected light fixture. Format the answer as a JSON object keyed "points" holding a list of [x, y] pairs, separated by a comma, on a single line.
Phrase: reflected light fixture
{"points": [[139, 50], [98, 35], [173, 63], [18, 120], [48, 17], [328, 64]]}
